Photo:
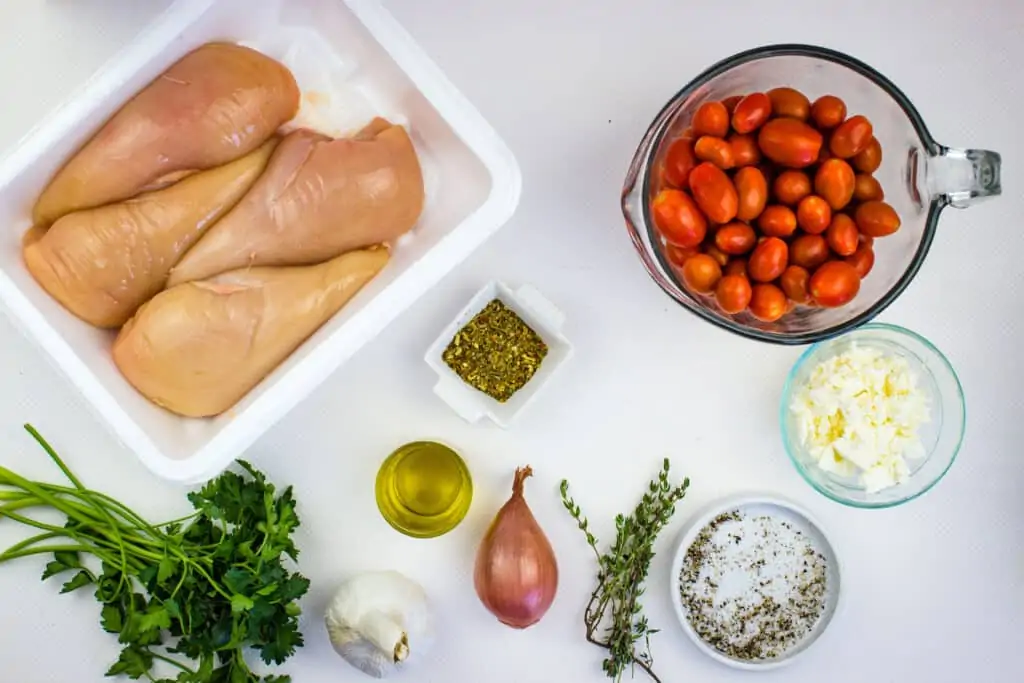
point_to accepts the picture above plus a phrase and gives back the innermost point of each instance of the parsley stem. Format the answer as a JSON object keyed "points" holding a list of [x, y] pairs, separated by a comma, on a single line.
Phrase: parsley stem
{"points": [[172, 662]]}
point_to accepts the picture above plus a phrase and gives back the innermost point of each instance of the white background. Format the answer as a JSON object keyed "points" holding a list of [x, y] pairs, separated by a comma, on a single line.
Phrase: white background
{"points": [[933, 591]]}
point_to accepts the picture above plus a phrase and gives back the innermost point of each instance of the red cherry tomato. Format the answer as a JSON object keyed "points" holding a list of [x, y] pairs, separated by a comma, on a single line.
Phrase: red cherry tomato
{"points": [[733, 293], [768, 303], [862, 260], [677, 218], [794, 282], [714, 192], [715, 150], [808, 251], [735, 238], [679, 161], [834, 284], [751, 112], [701, 273], [711, 118], [777, 221], [842, 235], [768, 260]]}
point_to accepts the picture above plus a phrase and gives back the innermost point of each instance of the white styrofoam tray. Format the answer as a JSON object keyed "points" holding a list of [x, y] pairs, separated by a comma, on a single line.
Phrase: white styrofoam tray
{"points": [[352, 60]]}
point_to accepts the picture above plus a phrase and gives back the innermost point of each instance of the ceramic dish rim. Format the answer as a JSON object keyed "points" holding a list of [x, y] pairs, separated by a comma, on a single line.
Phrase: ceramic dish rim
{"points": [[688, 534]]}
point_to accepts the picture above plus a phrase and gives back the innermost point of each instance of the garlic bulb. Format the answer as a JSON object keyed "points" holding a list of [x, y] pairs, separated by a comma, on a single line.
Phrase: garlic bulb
{"points": [[377, 620]]}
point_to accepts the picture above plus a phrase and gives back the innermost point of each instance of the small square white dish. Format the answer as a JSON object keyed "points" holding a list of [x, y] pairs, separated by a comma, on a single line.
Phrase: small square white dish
{"points": [[536, 311]]}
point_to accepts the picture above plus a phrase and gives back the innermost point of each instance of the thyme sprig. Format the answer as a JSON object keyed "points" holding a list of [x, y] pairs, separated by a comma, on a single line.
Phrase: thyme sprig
{"points": [[614, 617]]}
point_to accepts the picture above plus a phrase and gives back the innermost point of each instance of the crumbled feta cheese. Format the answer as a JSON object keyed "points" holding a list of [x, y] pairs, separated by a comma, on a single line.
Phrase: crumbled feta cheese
{"points": [[860, 412]]}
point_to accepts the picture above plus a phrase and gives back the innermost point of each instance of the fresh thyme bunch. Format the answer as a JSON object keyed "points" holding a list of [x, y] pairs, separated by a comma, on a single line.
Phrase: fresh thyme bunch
{"points": [[614, 617]]}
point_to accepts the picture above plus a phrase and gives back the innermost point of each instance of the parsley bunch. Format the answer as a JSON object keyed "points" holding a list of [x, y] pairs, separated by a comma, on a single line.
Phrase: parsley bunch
{"points": [[193, 593], [614, 617]]}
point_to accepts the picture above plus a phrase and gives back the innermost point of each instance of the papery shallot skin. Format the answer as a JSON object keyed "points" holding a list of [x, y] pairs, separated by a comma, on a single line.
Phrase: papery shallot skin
{"points": [[216, 104]]}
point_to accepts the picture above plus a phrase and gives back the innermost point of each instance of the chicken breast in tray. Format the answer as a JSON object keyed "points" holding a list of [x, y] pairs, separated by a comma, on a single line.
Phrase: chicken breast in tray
{"points": [[318, 198], [198, 348], [102, 264], [216, 104]]}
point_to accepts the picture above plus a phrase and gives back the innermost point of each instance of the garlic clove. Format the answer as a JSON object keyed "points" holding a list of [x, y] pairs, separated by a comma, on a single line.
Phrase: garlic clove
{"points": [[376, 618]]}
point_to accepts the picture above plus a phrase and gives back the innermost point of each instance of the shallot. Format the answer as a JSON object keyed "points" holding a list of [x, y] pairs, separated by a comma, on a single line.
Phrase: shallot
{"points": [[516, 574]]}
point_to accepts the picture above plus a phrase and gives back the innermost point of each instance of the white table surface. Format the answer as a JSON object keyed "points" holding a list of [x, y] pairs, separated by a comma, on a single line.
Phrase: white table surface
{"points": [[934, 590]]}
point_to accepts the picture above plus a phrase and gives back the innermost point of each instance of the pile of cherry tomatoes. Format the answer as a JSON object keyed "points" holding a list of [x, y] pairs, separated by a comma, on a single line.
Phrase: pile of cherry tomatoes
{"points": [[767, 201]]}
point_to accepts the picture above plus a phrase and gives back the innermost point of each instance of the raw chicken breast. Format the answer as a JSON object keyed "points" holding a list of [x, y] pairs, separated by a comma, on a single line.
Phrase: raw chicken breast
{"points": [[318, 198], [102, 264], [215, 104], [198, 348]]}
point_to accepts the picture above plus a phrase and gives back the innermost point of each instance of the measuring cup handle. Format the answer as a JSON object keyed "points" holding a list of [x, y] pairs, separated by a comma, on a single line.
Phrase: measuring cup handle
{"points": [[962, 177]]}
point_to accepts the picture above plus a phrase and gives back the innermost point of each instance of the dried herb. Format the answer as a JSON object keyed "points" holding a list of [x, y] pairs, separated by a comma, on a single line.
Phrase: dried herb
{"points": [[496, 352], [614, 617]]}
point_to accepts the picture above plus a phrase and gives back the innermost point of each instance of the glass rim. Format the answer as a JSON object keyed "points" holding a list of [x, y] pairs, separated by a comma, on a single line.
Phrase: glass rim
{"points": [[787, 388], [936, 204]]}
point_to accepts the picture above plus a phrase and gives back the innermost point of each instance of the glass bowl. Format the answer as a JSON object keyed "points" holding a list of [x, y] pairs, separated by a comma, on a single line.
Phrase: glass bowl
{"points": [[941, 436], [919, 176]]}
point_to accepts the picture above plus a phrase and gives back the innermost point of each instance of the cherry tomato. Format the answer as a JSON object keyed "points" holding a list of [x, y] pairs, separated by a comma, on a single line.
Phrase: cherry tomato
{"points": [[736, 266], [870, 158], [677, 255], [720, 256], [711, 118], [715, 150], [701, 273], [735, 238], [789, 102], [677, 217], [877, 219], [851, 137], [791, 186], [752, 191], [745, 151], [730, 103], [769, 258], [679, 161], [768, 303], [866, 188], [813, 214], [834, 182], [794, 282], [834, 284], [828, 111], [862, 260], [733, 293], [751, 112], [789, 142], [714, 192], [842, 235], [777, 221], [808, 251]]}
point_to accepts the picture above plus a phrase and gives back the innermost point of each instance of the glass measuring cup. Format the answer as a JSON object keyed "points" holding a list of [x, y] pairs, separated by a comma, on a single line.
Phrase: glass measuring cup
{"points": [[920, 178]]}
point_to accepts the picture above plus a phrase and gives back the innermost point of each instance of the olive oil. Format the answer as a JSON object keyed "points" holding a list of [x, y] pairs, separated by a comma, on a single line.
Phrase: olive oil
{"points": [[423, 489]]}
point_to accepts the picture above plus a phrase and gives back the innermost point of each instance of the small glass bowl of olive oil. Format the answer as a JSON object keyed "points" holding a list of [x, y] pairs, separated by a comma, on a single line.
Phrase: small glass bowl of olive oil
{"points": [[423, 489]]}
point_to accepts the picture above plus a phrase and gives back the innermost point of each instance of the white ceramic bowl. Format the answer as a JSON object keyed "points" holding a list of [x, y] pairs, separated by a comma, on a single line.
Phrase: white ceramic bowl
{"points": [[755, 504], [536, 311]]}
